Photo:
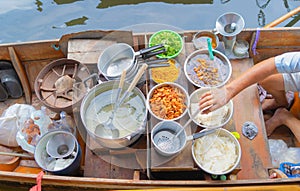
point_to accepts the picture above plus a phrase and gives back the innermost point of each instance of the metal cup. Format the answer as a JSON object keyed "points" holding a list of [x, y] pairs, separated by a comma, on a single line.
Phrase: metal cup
{"points": [[60, 145]]}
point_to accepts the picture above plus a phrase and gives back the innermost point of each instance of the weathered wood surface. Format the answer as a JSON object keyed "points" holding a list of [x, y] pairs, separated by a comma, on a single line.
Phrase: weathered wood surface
{"points": [[255, 160]]}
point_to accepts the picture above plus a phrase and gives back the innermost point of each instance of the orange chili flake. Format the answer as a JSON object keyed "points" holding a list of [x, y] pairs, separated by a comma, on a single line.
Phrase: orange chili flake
{"points": [[167, 102]]}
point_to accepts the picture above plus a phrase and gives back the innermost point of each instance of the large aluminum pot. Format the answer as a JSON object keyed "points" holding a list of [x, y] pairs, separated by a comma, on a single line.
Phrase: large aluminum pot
{"points": [[130, 119]]}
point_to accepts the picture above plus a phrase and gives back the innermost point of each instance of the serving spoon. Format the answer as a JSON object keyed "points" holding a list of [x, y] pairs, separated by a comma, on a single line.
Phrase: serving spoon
{"points": [[108, 124]]}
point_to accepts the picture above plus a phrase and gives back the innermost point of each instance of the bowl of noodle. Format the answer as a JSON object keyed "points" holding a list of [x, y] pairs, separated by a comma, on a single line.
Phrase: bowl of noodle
{"points": [[218, 153], [217, 118]]}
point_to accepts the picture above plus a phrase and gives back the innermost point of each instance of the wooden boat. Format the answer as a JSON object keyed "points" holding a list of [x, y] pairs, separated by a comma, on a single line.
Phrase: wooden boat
{"points": [[180, 173]]}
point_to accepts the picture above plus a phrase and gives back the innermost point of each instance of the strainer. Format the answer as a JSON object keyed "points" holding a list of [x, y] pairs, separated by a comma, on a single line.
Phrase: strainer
{"points": [[166, 130]]}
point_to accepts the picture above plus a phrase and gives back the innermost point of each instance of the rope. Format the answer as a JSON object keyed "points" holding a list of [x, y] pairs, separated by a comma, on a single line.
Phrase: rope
{"points": [[255, 41]]}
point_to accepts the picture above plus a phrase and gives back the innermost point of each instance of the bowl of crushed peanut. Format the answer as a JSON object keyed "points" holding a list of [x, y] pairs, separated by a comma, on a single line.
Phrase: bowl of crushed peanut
{"points": [[166, 74]]}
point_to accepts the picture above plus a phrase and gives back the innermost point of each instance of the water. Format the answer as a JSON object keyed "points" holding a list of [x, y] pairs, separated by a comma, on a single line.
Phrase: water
{"points": [[25, 20]]}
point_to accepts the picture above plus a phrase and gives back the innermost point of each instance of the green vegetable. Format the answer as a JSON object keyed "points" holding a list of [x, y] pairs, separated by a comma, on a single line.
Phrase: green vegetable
{"points": [[170, 39]]}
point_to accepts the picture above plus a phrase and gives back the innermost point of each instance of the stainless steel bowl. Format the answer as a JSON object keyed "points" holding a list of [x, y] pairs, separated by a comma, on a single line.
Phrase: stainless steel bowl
{"points": [[219, 133], [174, 85], [220, 65], [210, 117]]}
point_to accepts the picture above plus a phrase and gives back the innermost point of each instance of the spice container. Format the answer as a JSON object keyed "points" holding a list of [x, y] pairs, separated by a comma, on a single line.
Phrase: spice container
{"points": [[166, 74]]}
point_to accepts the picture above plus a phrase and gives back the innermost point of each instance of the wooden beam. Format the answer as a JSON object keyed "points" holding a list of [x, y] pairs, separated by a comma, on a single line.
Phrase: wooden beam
{"points": [[283, 18], [21, 73]]}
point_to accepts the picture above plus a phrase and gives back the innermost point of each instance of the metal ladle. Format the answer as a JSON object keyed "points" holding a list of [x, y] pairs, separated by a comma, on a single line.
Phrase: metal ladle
{"points": [[109, 123]]}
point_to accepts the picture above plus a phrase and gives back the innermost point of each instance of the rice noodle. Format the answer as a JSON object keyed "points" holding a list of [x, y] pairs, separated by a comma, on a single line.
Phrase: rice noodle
{"points": [[215, 153], [214, 118]]}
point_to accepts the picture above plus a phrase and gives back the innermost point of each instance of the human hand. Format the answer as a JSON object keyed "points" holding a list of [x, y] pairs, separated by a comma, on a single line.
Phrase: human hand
{"points": [[217, 97]]}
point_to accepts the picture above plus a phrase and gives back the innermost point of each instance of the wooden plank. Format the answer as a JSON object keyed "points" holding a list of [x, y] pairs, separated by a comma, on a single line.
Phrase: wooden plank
{"points": [[110, 35], [21, 73], [182, 161], [87, 51], [33, 50], [255, 160]]}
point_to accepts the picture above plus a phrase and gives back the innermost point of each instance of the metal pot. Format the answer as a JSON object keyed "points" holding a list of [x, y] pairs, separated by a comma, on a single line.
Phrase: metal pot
{"points": [[121, 56], [97, 105], [68, 165]]}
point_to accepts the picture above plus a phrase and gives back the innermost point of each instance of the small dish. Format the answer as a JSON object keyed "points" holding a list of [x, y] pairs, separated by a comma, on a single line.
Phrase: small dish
{"points": [[200, 39]]}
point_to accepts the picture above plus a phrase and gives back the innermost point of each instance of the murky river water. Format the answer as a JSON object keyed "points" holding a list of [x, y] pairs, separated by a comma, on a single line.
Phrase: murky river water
{"points": [[24, 20]]}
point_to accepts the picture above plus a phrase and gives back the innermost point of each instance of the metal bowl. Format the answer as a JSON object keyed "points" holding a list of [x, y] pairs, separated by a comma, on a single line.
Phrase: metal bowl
{"points": [[200, 151], [210, 118], [162, 132], [174, 85], [209, 73], [65, 166]]}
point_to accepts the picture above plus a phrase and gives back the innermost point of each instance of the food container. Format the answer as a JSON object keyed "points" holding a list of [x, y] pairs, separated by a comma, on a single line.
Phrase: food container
{"points": [[161, 110], [166, 74], [171, 40], [203, 72], [200, 40], [120, 56], [169, 137], [130, 119], [68, 165], [240, 48], [218, 153], [217, 118]]}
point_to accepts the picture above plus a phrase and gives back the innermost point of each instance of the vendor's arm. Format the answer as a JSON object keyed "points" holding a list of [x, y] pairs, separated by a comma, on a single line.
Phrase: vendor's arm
{"points": [[258, 72]]}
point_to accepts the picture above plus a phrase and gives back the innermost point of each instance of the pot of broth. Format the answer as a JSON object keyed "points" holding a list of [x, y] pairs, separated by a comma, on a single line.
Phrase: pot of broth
{"points": [[129, 118]]}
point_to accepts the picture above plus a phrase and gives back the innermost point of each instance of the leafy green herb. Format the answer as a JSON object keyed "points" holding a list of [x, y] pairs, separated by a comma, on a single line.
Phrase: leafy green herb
{"points": [[171, 40]]}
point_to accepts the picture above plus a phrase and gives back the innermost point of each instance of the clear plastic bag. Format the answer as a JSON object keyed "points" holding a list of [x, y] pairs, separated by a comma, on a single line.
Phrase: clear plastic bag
{"points": [[64, 123], [11, 121], [280, 152]]}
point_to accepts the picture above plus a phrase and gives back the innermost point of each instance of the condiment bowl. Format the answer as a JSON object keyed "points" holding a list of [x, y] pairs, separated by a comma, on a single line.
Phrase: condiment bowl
{"points": [[203, 72], [166, 74], [217, 118], [171, 40], [168, 101]]}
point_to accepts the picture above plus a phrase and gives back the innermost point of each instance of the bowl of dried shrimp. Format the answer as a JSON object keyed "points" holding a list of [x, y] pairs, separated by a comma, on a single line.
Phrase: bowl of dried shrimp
{"points": [[168, 101], [203, 72]]}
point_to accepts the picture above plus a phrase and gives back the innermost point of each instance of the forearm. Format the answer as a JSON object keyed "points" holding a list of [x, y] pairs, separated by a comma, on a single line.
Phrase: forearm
{"points": [[253, 75]]}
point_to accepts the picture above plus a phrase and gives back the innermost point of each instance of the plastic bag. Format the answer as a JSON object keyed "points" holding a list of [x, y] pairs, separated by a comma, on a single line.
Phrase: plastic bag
{"points": [[10, 123], [277, 148], [8, 130], [280, 152]]}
